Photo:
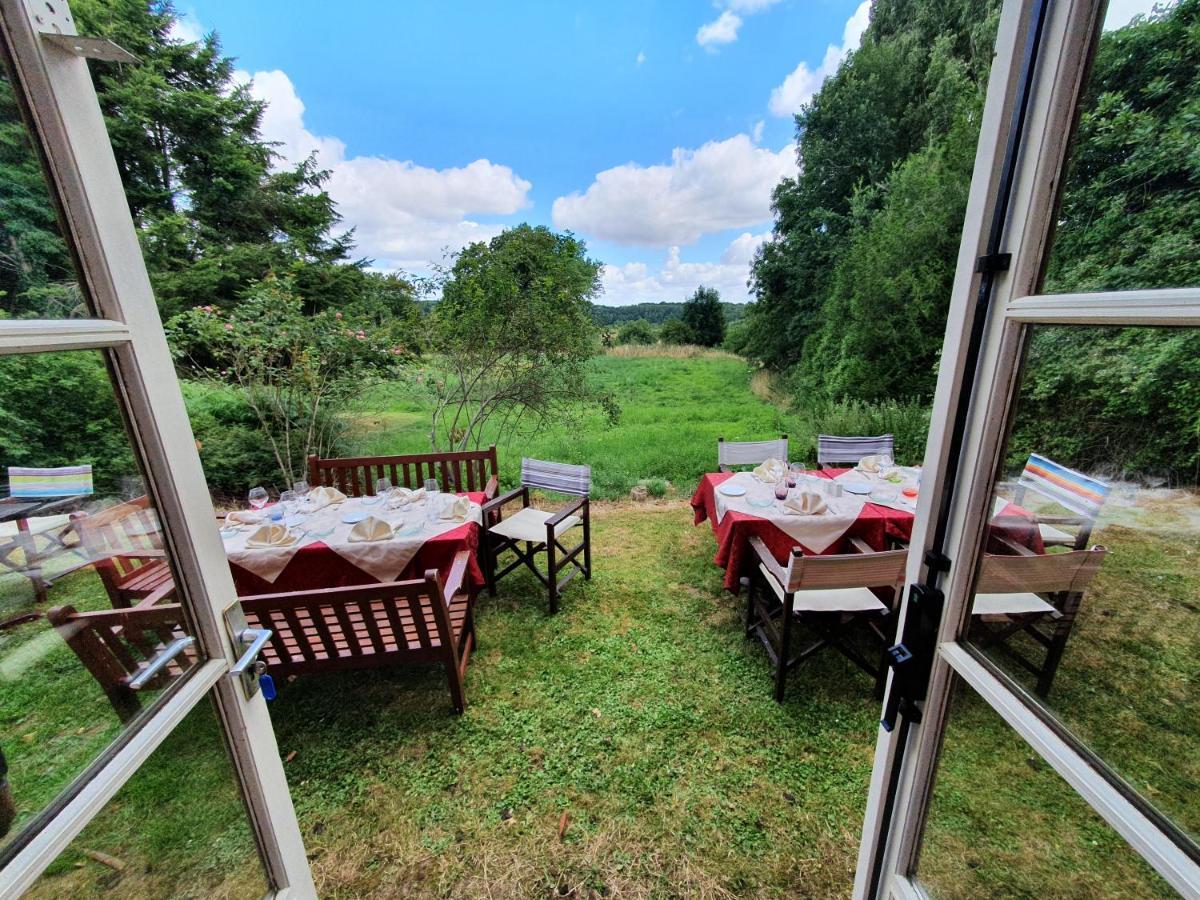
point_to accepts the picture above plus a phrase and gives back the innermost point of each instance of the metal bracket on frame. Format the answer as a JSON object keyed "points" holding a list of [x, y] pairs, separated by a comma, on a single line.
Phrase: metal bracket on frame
{"points": [[54, 23]]}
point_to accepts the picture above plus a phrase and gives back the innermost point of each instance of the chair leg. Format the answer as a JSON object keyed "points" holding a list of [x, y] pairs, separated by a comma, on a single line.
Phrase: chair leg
{"points": [[454, 678], [552, 571], [587, 541], [489, 564], [785, 642]]}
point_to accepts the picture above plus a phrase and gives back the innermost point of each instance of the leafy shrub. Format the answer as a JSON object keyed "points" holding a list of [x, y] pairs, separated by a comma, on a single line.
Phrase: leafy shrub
{"points": [[656, 487], [677, 331], [638, 331], [907, 420], [232, 448]]}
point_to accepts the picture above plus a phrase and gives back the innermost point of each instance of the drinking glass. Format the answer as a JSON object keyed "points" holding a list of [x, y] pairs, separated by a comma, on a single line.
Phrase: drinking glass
{"points": [[885, 461], [258, 497], [301, 488], [431, 485], [781, 489], [287, 502], [383, 486]]}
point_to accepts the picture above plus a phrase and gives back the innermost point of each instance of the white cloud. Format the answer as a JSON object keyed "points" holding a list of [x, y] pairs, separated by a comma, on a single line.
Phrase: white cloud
{"points": [[676, 280], [405, 215], [798, 88], [722, 30], [186, 28], [1120, 12], [721, 185], [756, 133], [641, 57]]}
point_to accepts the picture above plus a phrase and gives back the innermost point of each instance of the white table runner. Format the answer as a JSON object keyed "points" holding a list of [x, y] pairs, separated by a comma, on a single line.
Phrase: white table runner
{"points": [[383, 560], [817, 533]]}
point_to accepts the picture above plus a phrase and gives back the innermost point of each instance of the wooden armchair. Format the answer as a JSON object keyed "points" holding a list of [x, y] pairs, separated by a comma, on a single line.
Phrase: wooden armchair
{"points": [[455, 471], [749, 453], [125, 546], [828, 594], [1038, 594], [417, 621], [118, 645], [1081, 497], [833, 450], [541, 531]]}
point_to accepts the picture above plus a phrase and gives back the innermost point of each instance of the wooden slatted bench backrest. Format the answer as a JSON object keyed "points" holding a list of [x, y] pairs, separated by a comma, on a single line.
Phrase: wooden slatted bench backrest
{"points": [[353, 627], [115, 644], [458, 470]]}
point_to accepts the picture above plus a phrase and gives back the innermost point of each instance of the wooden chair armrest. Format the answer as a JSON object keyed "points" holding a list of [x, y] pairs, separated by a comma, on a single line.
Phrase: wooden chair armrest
{"points": [[767, 559], [456, 575], [1059, 520], [158, 595], [1012, 546], [504, 499], [493, 485], [555, 519], [859, 545]]}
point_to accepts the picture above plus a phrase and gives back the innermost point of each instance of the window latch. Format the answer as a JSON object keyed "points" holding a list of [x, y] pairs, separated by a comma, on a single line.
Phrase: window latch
{"points": [[911, 659]]}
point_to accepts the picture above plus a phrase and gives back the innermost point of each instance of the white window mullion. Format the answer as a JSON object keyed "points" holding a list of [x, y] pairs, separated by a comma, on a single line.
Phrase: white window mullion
{"points": [[48, 335]]}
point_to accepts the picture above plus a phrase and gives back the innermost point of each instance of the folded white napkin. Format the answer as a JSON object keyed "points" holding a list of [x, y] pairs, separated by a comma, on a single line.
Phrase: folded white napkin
{"points": [[869, 464], [321, 497], [404, 496], [371, 529], [805, 503], [456, 508], [271, 536], [770, 471], [244, 517]]}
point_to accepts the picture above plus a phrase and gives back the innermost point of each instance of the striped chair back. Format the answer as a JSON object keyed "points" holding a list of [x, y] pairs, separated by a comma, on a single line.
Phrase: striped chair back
{"points": [[65, 481], [562, 478], [834, 449], [750, 453], [1077, 492]]}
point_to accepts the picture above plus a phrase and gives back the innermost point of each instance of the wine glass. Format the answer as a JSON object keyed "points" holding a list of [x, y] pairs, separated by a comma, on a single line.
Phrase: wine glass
{"points": [[301, 488], [287, 503], [781, 489], [258, 497]]}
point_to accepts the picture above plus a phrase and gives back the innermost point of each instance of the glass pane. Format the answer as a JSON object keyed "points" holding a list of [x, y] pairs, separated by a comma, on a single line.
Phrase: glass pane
{"points": [[86, 595], [1130, 215], [1089, 593], [38, 278], [1002, 823], [176, 829]]}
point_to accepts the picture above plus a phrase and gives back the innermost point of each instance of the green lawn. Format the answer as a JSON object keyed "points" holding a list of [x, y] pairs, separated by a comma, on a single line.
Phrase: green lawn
{"points": [[629, 746]]}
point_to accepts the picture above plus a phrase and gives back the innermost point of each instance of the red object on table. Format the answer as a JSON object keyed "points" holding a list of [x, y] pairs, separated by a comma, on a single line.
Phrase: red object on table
{"points": [[317, 566], [875, 524]]}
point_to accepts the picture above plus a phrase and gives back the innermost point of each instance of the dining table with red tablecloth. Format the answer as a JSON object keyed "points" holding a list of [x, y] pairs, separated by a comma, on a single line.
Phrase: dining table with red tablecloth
{"points": [[316, 565], [878, 526]]}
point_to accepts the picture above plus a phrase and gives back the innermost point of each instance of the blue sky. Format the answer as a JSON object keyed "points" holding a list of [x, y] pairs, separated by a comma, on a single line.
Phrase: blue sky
{"points": [[654, 129]]}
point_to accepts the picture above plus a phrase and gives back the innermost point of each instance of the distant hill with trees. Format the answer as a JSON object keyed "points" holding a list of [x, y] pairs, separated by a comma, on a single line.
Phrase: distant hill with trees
{"points": [[656, 313]]}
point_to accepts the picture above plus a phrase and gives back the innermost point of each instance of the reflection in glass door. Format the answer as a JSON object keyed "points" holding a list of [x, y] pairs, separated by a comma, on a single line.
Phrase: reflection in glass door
{"points": [[114, 771]]}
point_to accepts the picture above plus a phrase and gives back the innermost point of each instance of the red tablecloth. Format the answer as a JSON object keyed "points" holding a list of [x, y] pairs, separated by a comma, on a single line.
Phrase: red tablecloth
{"points": [[317, 566], [874, 525]]}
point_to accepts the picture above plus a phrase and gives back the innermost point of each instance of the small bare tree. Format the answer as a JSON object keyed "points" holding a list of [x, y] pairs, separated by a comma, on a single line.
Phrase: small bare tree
{"points": [[513, 335]]}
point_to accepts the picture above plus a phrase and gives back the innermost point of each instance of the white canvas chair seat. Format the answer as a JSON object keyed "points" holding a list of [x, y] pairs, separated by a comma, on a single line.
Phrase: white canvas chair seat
{"points": [[1052, 535], [829, 600], [1003, 605], [529, 524], [37, 525]]}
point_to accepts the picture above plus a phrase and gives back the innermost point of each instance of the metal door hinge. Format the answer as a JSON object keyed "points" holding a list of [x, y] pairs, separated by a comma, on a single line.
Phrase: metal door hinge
{"points": [[993, 262]]}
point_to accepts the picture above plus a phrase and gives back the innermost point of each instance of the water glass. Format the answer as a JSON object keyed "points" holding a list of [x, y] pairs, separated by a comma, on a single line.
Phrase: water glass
{"points": [[287, 501], [885, 461], [301, 488], [258, 497], [781, 489], [383, 486], [431, 485]]}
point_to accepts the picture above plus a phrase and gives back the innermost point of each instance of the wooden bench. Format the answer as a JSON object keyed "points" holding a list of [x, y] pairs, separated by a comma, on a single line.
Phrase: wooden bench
{"points": [[117, 645], [458, 470], [331, 629]]}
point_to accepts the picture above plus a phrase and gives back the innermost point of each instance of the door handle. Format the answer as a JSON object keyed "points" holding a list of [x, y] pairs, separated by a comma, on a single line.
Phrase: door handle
{"points": [[160, 662], [247, 643], [254, 640]]}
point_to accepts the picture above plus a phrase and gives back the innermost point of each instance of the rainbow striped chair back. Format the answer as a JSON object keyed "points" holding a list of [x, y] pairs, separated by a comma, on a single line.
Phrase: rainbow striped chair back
{"points": [[1079, 493], [65, 481]]}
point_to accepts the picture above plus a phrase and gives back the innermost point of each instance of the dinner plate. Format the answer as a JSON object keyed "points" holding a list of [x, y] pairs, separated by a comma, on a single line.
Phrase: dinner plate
{"points": [[352, 518], [761, 503], [855, 487], [732, 490]]}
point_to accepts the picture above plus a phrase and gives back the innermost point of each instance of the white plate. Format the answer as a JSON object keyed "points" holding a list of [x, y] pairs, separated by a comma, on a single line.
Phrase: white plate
{"points": [[352, 518], [855, 487], [732, 490]]}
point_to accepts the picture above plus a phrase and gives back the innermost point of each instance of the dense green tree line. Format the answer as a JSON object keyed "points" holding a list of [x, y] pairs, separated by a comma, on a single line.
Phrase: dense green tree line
{"points": [[851, 295], [656, 313]]}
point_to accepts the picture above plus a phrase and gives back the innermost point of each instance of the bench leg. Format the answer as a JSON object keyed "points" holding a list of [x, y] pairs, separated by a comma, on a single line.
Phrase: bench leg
{"points": [[454, 677]]}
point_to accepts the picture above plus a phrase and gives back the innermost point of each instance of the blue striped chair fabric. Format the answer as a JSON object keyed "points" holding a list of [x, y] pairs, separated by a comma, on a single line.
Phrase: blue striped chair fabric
{"points": [[832, 448], [64, 481], [562, 478], [750, 453], [1081, 494]]}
